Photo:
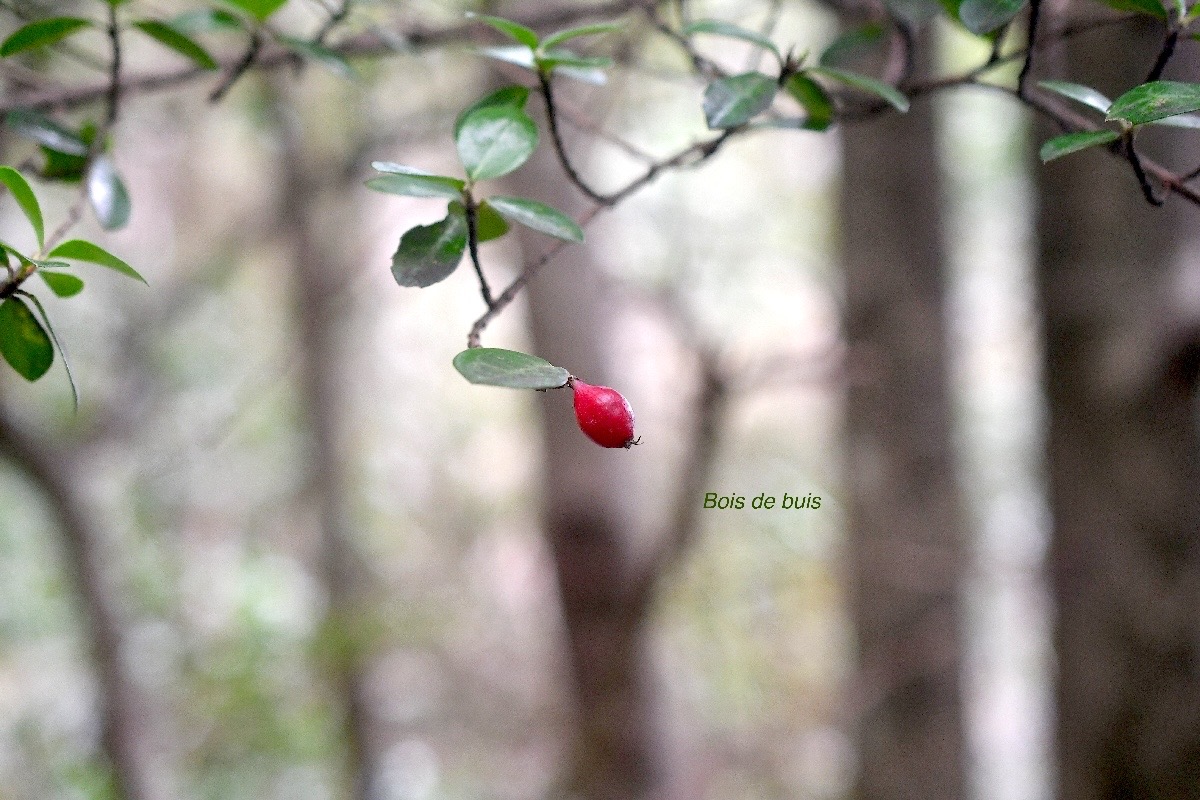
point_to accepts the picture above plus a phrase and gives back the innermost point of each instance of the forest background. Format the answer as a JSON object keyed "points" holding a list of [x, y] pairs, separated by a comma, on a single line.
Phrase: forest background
{"points": [[283, 549]]}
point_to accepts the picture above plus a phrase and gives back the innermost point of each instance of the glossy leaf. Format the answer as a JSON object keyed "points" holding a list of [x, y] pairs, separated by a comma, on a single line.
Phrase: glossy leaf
{"points": [[56, 343], [1154, 101], [24, 343], [205, 20], [560, 59], [61, 283], [866, 84], [412, 182], [430, 253], [493, 366], [41, 33], [733, 101], [595, 29], [168, 36], [1069, 143], [590, 75], [495, 140], [515, 96], [1079, 93], [538, 216], [509, 28], [259, 9], [852, 45], [26, 199], [513, 54], [1151, 8], [985, 16], [45, 131], [319, 54], [80, 250], [728, 29], [107, 194], [809, 94], [62, 167], [1191, 121]]}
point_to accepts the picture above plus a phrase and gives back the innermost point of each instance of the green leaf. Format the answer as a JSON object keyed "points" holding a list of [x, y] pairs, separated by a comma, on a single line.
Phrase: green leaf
{"points": [[495, 140], [582, 30], [81, 250], [107, 194], [259, 9], [56, 343], [489, 224], [506, 26], [41, 33], [538, 216], [492, 366], [26, 199], [23, 342], [412, 182], [430, 253], [1154, 101], [809, 94], [166, 35], [733, 101], [205, 20], [728, 29], [61, 284], [561, 59], [852, 45], [513, 54], [1151, 8], [985, 16], [1069, 143], [1079, 93], [886, 91], [514, 95], [62, 167], [320, 54], [45, 131]]}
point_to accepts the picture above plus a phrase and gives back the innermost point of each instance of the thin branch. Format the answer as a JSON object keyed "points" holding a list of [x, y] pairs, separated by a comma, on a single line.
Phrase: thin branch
{"points": [[473, 248], [1164, 55], [113, 102], [253, 49], [1135, 161], [1035, 7]]}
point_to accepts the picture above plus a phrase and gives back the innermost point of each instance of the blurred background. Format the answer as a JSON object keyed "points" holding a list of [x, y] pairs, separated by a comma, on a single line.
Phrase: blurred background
{"points": [[284, 550]]}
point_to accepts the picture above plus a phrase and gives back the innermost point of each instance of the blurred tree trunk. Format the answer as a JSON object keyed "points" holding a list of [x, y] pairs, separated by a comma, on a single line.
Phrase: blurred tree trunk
{"points": [[1123, 454], [587, 523], [318, 280], [905, 518]]}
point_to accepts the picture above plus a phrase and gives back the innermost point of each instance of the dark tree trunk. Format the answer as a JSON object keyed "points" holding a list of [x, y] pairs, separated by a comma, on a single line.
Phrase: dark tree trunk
{"points": [[905, 516], [1123, 457]]}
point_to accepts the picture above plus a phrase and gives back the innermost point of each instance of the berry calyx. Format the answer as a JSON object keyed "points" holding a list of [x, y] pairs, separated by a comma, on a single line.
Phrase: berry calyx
{"points": [[603, 414]]}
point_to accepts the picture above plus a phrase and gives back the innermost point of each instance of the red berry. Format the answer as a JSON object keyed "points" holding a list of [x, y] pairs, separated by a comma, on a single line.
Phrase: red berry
{"points": [[603, 414]]}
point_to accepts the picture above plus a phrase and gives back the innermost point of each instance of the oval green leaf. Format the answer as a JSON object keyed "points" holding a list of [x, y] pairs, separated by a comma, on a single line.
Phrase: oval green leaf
{"points": [[733, 101], [515, 96], [107, 194], [166, 35], [866, 84], [538, 216], [489, 224], [506, 26], [728, 29], [23, 341], [1079, 93], [852, 45], [985, 16], [41, 33], [412, 182], [81, 250], [492, 366], [430, 253], [495, 140], [1154, 101], [1069, 143], [809, 94], [26, 199], [259, 9], [61, 284], [45, 131], [583, 30]]}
